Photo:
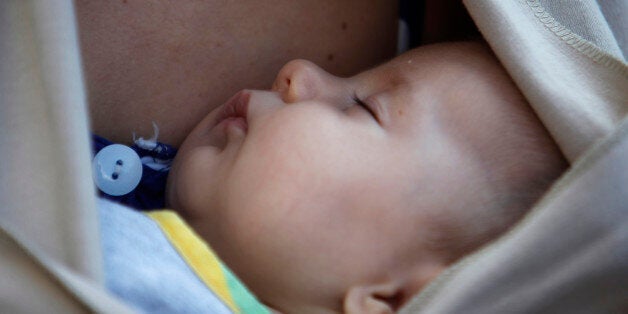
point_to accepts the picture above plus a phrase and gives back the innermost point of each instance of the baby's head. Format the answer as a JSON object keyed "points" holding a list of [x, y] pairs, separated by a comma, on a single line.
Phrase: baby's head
{"points": [[333, 194]]}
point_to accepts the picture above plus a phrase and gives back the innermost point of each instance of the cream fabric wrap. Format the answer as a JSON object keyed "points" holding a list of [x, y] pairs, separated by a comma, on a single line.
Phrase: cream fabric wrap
{"points": [[50, 258], [570, 254]]}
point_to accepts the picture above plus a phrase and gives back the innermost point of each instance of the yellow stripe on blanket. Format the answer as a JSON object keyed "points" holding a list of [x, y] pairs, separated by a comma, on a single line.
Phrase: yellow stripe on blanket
{"points": [[197, 254]]}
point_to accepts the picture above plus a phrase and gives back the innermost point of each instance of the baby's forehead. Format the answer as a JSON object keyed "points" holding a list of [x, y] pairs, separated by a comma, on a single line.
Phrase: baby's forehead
{"points": [[436, 61], [449, 77]]}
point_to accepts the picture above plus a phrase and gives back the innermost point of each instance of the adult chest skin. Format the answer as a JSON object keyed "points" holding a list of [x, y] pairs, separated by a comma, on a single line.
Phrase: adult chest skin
{"points": [[172, 62]]}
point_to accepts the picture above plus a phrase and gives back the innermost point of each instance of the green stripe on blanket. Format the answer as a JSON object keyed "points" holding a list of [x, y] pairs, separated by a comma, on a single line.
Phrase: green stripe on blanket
{"points": [[206, 265]]}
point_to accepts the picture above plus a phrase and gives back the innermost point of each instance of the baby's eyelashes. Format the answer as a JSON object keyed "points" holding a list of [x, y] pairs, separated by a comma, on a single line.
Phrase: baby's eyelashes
{"points": [[366, 107]]}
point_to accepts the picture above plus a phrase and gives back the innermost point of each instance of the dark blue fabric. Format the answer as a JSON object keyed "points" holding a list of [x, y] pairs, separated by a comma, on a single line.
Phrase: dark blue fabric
{"points": [[413, 12], [150, 192]]}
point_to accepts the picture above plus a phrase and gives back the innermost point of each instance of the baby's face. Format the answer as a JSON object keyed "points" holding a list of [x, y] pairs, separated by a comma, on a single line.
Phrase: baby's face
{"points": [[325, 182]]}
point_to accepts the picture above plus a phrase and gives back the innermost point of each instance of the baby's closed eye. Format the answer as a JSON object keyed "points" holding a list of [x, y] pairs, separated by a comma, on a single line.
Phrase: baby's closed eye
{"points": [[366, 107]]}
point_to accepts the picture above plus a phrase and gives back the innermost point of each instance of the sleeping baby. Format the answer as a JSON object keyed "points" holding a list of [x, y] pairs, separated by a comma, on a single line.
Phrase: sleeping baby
{"points": [[332, 195]]}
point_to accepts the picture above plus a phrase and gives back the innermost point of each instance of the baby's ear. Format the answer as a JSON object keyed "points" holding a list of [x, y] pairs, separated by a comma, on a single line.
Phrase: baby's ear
{"points": [[373, 299]]}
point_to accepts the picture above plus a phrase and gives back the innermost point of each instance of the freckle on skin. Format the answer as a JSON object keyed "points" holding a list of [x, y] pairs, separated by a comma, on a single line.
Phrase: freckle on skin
{"points": [[344, 25], [330, 57], [400, 112]]}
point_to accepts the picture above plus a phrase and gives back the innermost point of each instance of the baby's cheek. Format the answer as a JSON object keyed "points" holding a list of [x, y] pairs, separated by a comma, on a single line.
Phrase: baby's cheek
{"points": [[286, 149]]}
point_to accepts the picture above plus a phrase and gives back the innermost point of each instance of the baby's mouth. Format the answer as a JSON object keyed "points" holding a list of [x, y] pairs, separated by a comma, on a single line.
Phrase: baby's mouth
{"points": [[234, 112], [230, 123]]}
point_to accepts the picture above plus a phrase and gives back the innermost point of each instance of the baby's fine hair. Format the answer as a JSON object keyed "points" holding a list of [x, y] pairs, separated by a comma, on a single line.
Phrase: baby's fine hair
{"points": [[520, 164], [522, 169]]}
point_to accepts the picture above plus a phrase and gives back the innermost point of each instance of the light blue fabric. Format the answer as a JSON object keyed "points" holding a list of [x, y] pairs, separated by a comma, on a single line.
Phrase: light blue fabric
{"points": [[143, 269]]}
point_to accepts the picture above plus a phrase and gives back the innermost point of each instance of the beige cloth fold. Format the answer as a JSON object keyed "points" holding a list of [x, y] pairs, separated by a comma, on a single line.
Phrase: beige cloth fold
{"points": [[570, 254], [46, 188], [578, 90], [54, 265], [33, 282]]}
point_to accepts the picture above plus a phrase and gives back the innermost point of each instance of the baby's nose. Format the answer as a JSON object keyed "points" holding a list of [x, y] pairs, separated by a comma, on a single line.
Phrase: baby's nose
{"points": [[301, 80]]}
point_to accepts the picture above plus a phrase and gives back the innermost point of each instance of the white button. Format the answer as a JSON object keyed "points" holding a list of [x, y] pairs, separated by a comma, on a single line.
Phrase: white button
{"points": [[117, 169]]}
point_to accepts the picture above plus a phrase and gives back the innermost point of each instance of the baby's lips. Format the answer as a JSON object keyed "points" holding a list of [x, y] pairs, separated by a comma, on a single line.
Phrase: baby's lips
{"points": [[236, 107]]}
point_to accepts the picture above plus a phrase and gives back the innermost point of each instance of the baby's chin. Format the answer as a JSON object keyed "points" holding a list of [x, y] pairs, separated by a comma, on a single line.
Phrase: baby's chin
{"points": [[172, 198], [184, 186]]}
